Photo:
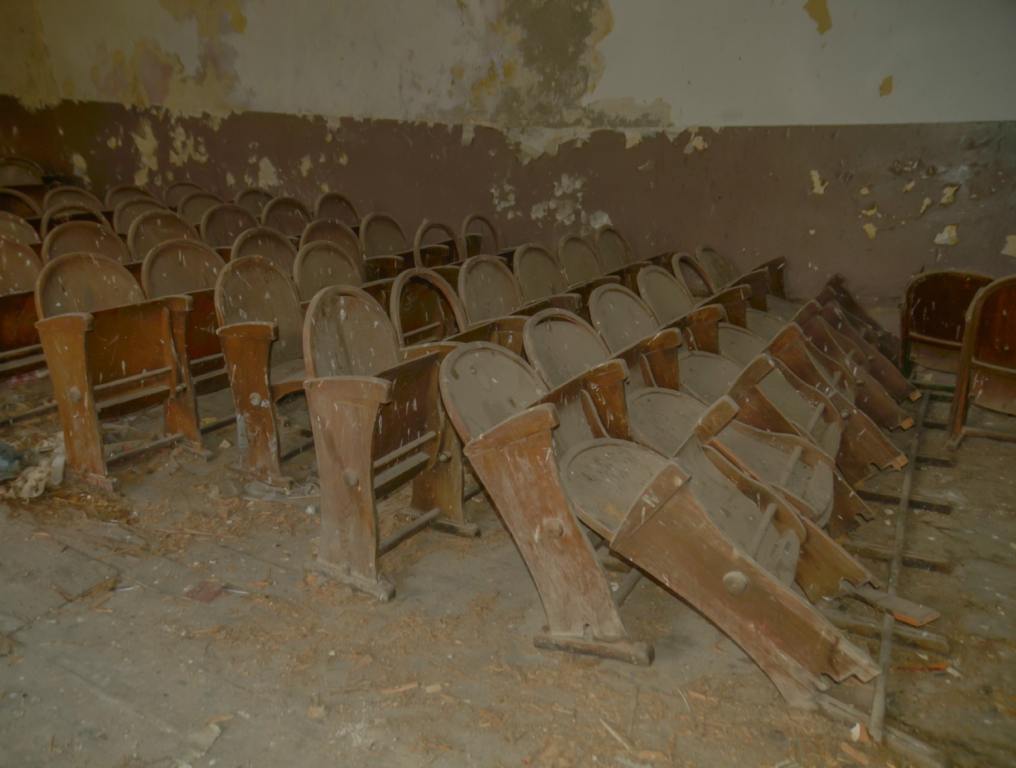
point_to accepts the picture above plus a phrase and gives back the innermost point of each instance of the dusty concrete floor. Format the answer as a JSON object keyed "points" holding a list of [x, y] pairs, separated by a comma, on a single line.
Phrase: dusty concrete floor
{"points": [[107, 658]]}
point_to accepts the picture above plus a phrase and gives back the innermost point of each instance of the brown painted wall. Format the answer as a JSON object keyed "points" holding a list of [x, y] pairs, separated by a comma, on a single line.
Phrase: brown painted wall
{"points": [[748, 191]]}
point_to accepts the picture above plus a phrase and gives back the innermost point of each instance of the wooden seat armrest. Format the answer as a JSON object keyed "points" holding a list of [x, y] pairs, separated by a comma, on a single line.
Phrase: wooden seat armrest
{"points": [[758, 281], [734, 301], [701, 327], [538, 419], [439, 348], [254, 330], [71, 322], [352, 389], [382, 267]]}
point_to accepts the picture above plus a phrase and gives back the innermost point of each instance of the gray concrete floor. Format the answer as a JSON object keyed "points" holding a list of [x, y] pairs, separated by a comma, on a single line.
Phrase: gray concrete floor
{"points": [[105, 659]]}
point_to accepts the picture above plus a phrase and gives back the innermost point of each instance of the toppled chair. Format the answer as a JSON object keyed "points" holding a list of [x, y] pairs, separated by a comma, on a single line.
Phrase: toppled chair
{"points": [[986, 372], [260, 327], [124, 192], [835, 292], [378, 424], [18, 203], [254, 199], [746, 426], [126, 211], [335, 206], [193, 206], [84, 237], [154, 227], [764, 385], [15, 228], [489, 290], [222, 223], [110, 351], [19, 341], [287, 215], [190, 268], [731, 548], [480, 235], [177, 191], [934, 312], [269, 244], [671, 301]]}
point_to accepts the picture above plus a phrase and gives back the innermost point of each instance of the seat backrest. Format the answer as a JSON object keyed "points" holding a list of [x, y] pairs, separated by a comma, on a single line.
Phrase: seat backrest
{"points": [[84, 282], [347, 333], [180, 266], [538, 272], [381, 234], [253, 289], [254, 199], [17, 171], [688, 269], [61, 214], [721, 270], [13, 227], [322, 263], [286, 214], [154, 227], [483, 384], [935, 303], [334, 232], [621, 317], [424, 307], [445, 235], [123, 192], [334, 206], [578, 259], [18, 203], [192, 208], [176, 192], [561, 345], [127, 210], [992, 315], [668, 297], [268, 243], [84, 237], [222, 223], [614, 249], [487, 288], [19, 267], [477, 223], [59, 197]]}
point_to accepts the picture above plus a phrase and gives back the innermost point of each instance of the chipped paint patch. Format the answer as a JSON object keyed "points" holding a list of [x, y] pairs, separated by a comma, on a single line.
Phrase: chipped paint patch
{"points": [[186, 148], [864, 191], [80, 166], [949, 194], [268, 177], [818, 187], [305, 165], [948, 236], [697, 144], [908, 186], [925, 205], [1009, 248], [872, 211], [886, 86], [147, 147], [503, 197], [599, 219], [818, 10], [870, 230]]}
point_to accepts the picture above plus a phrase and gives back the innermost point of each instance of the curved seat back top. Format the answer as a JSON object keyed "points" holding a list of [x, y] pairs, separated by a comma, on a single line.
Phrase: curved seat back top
{"points": [[222, 223], [347, 333], [322, 263], [123, 192], [59, 197], [935, 305], [84, 282], [334, 232], [721, 270], [694, 275], [18, 203], [538, 272], [478, 224], [254, 289], [19, 172], [286, 214], [423, 307], [621, 317], [154, 227], [84, 237], [13, 227], [192, 207], [487, 288], [254, 199], [614, 249], [178, 267], [129, 209], [60, 214], [176, 192], [381, 235], [668, 297], [19, 268], [561, 345], [268, 243], [578, 259], [452, 250], [335, 206]]}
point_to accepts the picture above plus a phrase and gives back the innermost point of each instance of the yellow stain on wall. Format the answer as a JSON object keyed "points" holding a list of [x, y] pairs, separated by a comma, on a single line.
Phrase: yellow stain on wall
{"points": [[948, 235], [818, 187], [949, 194], [886, 86], [870, 230], [1009, 249], [819, 12]]}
